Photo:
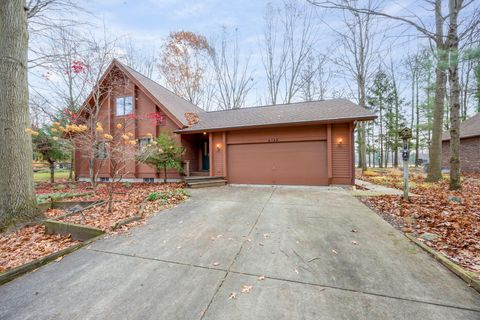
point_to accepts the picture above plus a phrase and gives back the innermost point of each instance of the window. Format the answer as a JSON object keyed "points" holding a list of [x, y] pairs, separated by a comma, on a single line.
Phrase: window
{"points": [[101, 151], [123, 106], [142, 142], [104, 179], [149, 180]]}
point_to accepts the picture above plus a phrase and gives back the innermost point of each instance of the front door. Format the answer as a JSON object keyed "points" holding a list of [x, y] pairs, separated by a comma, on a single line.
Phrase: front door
{"points": [[205, 155]]}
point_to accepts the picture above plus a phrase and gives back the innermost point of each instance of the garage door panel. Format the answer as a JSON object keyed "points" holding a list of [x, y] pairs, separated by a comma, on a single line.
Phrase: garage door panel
{"points": [[294, 163]]}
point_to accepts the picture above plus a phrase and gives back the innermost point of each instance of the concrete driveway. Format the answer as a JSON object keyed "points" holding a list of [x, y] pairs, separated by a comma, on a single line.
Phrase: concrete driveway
{"points": [[187, 261]]}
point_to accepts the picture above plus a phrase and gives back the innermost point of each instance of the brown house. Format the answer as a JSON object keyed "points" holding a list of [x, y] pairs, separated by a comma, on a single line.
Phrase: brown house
{"points": [[469, 145], [309, 143]]}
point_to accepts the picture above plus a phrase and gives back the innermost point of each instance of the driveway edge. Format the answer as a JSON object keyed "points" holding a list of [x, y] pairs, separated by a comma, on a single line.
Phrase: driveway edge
{"points": [[472, 279]]}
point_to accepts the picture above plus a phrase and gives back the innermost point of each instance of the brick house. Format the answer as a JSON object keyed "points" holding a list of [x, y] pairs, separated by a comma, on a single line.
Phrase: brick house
{"points": [[469, 145], [308, 143]]}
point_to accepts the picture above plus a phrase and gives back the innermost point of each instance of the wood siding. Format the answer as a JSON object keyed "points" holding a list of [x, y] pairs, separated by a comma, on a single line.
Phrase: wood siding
{"points": [[341, 154], [217, 154], [140, 126]]}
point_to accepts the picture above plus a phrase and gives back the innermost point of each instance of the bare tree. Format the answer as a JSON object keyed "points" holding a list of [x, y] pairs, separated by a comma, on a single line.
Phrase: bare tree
{"points": [[440, 46], [183, 65], [315, 79], [357, 51], [413, 63], [453, 46], [233, 78], [142, 59], [290, 36], [274, 54]]}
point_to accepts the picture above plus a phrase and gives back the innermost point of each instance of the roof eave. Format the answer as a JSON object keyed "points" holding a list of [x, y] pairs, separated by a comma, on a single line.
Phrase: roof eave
{"points": [[270, 125], [464, 137]]}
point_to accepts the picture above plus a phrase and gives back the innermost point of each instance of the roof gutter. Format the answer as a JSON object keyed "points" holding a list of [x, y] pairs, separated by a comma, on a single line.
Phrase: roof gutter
{"points": [[270, 125]]}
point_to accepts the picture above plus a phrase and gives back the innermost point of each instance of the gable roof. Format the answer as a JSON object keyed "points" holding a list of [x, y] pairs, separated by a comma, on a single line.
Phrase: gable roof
{"points": [[334, 110], [175, 104], [468, 128]]}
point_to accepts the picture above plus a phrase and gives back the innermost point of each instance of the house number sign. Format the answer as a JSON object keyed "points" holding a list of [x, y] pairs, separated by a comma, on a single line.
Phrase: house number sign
{"points": [[272, 139]]}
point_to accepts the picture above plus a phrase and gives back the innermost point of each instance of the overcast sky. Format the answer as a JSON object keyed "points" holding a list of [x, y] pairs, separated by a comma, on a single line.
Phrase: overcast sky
{"points": [[148, 22]]}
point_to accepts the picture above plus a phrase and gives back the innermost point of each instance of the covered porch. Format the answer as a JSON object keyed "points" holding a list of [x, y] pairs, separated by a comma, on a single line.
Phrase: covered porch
{"points": [[198, 163]]}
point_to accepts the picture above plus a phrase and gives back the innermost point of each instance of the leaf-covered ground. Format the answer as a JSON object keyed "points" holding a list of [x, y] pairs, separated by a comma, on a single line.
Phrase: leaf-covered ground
{"points": [[127, 202], [30, 243], [445, 220]]}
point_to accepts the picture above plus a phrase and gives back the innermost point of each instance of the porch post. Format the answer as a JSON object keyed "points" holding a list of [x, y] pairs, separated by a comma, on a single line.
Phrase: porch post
{"points": [[210, 153], [224, 142], [329, 152]]}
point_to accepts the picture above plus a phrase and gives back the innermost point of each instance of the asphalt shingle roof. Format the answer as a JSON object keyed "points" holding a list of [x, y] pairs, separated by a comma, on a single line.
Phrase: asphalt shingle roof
{"points": [[468, 128], [301, 112], [175, 104]]}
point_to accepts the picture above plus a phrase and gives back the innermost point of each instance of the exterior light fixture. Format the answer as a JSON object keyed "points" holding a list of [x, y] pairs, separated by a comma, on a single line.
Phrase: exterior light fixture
{"points": [[219, 146], [339, 141], [204, 133]]}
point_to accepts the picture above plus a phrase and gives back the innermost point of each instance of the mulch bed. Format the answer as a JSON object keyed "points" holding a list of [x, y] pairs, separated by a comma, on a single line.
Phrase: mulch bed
{"points": [[444, 220], [31, 242], [127, 201]]}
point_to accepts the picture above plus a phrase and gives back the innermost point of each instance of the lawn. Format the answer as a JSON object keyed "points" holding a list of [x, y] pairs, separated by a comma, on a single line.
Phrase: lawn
{"points": [[44, 175]]}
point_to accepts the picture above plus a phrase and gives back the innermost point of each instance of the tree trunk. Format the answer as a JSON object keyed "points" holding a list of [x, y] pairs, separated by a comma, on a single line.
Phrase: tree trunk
{"points": [[91, 172], [51, 165], [363, 146], [417, 126], [380, 165], [17, 198], [435, 152], [72, 163], [395, 134], [165, 174], [454, 97]]}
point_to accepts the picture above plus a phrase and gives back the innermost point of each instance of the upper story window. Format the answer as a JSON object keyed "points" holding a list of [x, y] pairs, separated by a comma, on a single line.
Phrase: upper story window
{"points": [[123, 106]]}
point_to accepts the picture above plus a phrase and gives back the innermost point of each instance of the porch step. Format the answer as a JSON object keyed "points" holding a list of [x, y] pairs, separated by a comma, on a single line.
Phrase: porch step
{"points": [[203, 182], [199, 174]]}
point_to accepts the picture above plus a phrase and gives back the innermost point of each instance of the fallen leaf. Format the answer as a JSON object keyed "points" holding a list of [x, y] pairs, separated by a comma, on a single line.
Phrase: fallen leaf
{"points": [[354, 242], [334, 251], [260, 278], [296, 271], [216, 263], [232, 296], [354, 230], [58, 259], [246, 288]]}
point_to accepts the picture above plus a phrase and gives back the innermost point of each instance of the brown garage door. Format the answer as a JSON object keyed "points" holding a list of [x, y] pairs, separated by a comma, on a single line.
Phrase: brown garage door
{"points": [[292, 163]]}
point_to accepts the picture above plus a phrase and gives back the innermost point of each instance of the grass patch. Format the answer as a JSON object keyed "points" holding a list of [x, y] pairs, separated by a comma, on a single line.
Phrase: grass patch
{"points": [[44, 175], [165, 196], [42, 198]]}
